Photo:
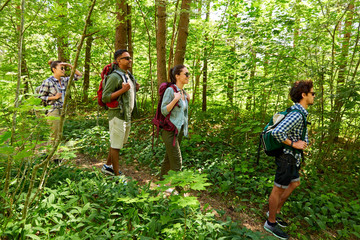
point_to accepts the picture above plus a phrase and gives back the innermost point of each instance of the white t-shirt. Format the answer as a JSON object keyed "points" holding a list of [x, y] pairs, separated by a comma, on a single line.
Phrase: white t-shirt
{"points": [[132, 92]]}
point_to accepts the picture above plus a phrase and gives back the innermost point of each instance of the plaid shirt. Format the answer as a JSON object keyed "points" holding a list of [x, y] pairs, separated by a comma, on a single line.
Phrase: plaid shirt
{"points": [[292, 128], [50, 87]]}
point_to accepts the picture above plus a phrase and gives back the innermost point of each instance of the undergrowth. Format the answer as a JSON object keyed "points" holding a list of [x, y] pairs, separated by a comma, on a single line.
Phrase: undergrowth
{"points": [[224, 147]]}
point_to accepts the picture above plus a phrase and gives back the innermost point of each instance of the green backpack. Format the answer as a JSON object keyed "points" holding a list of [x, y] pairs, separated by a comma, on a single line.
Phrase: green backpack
{"points": [[270, 145]]}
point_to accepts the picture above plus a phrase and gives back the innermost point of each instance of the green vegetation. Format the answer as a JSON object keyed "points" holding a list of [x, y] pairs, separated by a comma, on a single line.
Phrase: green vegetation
{"points": [[242, 56]]}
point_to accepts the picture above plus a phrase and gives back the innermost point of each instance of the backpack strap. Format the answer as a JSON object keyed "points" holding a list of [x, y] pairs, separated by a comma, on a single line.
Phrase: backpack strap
{"points": [[121, 74], [168, 116]]}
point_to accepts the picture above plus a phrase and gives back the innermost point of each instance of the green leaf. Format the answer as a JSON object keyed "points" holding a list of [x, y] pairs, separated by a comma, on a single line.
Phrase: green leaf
{"points": [[32, 236]]}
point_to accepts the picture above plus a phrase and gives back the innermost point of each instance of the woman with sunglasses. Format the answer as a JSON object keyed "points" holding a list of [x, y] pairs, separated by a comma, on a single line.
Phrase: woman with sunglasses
{"points": [[52, 92], [177, 103]]}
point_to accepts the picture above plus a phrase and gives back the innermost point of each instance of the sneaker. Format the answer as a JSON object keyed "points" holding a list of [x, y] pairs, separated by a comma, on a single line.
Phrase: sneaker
{"points": [[276, 231], [109, 170], [280, 221], [120, 179], [171, 191]]}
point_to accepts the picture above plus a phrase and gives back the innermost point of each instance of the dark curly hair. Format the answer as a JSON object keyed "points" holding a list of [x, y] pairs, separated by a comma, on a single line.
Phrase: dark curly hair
{"points": [[300, 87]]}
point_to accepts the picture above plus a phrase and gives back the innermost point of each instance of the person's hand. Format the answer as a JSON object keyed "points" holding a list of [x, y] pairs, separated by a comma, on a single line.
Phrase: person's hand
{"points": [[126, 86], [177, 95], [137, 87], [66, 64], [58, 95], [299, 145]]}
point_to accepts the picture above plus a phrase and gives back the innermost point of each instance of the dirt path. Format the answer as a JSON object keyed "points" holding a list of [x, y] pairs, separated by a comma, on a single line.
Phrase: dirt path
{"points": [[143, 176]]}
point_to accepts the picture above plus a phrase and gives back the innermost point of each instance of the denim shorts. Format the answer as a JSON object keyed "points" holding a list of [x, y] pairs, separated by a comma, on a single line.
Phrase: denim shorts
{"points": [[286, 171]]}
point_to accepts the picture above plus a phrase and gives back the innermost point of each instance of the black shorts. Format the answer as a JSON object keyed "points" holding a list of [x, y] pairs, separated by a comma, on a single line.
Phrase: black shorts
{"points": [[286, 171]]}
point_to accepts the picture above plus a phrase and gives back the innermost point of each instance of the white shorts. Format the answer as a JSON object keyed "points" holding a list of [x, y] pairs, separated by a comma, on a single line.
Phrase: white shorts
{"points": [[119, 132]]}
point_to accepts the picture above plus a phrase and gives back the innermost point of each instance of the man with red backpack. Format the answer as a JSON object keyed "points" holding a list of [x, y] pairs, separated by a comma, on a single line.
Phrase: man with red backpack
{"points": [[119, 94]]}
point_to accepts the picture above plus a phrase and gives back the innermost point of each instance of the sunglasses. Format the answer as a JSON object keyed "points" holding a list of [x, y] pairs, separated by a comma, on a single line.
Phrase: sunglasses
{"points": [[127, 58], [62, 68], [187, 74]]}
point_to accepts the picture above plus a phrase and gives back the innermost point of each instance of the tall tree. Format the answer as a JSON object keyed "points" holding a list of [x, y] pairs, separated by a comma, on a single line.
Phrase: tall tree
{"points": [[62, 34], [121, 35], [86, 81], [205, 67], [183, 32], [173, 37], [161, 41], [129, 30], [340, 90]]}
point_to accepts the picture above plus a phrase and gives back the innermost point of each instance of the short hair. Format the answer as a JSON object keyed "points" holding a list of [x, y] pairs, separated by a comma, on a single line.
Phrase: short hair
{"points": [[299, 88], [53, 64], [119, 53], [175, 71]]}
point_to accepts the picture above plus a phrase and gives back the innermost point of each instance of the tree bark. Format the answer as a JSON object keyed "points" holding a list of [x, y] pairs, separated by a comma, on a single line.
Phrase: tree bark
{"points": [[161, 41], [251, 80], [340, 89], [183, 32], [121, 29], [86, 82], [205, 67], [173, 37], [17, 94]]}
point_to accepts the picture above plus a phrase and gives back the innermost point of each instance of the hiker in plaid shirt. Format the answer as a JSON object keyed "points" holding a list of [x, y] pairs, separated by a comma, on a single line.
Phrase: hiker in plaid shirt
{"points": [[287, 177], [52, 92]]}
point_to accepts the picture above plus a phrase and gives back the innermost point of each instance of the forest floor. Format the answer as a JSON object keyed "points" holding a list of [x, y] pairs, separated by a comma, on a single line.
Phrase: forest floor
{"points": [[143, 176]]}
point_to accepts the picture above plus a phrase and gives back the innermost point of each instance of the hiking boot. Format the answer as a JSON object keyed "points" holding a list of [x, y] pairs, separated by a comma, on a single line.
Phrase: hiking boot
{"points": [[276, 231], [109, 170], [279, 220]]}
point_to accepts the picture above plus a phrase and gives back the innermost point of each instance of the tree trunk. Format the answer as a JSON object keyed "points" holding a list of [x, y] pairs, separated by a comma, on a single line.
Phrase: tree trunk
{"points": [[340, 90], [129, 32], [63, 45], [161, 41], [173, 37], [197, 69], [205, 68], [17, 95], [251, 80], [121, 29], [86, 81], [205, 71], [182, 32], [44, 164], [230, 82]]}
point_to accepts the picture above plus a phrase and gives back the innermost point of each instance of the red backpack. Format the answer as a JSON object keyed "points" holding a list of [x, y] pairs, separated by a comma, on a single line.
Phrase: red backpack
{"points": [[160, 121], [108, 69]]}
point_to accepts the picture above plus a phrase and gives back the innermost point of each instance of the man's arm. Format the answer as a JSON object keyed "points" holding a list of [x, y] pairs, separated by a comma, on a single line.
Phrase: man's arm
{"points": [[280, 133], [111, 91]]}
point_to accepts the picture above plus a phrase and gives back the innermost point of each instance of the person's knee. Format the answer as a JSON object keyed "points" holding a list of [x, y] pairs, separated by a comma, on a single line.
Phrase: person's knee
{"points": [[277, 191], [295, 184]]}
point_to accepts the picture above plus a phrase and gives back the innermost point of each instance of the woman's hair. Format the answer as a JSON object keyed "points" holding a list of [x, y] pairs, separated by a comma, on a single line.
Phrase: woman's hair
{"points": [[175, 71], [53, 64], [300, 87]]}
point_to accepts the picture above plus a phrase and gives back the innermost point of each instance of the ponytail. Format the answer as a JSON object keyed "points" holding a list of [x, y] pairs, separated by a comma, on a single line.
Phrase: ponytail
{"points": [[176, 70]]}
